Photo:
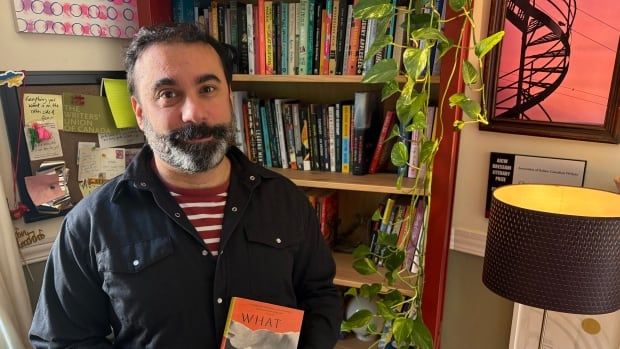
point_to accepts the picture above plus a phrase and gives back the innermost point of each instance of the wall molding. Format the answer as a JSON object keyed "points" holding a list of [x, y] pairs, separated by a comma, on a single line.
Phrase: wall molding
{"points": [[468, 241], [36, 253]]}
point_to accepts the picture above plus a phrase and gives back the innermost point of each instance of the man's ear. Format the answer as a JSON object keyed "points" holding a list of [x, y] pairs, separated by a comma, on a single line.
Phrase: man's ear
{"points": [[137, 110]]}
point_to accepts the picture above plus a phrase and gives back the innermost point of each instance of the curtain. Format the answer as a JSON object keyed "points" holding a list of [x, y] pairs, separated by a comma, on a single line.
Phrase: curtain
{"points": [[15, 308]]}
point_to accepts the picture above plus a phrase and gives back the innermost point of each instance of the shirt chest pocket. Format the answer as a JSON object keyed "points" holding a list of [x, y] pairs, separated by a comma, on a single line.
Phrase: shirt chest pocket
{"points": [[137, 277]]}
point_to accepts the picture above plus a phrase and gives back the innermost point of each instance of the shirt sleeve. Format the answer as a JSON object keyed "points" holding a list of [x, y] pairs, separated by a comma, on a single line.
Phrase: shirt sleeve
{"points": [[72, 308], [317, 295]]}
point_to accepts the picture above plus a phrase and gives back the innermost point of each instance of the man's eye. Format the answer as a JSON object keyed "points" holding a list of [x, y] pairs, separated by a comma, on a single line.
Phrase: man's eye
{"points": [[166, 94], [207, 89]]}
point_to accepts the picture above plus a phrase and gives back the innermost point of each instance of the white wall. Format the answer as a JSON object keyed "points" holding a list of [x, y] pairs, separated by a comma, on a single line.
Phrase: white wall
{"points": [[30, 52]]}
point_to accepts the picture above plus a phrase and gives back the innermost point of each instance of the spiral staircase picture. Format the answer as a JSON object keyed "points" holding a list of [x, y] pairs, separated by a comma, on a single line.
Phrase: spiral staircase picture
{"points": [[544, 57]]}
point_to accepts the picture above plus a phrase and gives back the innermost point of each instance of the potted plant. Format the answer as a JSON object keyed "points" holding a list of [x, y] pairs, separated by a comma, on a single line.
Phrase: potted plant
{"points": [[400, 315]]}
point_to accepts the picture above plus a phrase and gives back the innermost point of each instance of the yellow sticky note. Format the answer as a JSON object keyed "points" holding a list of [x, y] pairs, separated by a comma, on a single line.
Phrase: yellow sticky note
{"points": [[118, 98], [43, 108]]}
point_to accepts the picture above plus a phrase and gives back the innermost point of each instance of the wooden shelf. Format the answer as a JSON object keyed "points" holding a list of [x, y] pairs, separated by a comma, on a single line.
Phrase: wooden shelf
{"points": [[347, 276], [332, 79], [352, 343], [376, 183]]}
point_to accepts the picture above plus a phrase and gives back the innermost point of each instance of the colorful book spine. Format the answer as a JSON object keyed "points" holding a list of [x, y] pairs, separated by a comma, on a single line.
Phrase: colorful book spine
{"points": [[269, 47], [284, 7], [261, 49], [346, 137], [293, 39], [265, 135], [251, 39], [388, 122], [302, 26]]}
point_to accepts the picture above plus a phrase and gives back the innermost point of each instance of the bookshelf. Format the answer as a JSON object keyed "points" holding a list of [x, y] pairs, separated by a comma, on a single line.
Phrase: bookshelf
{"points": [[362, 193]]}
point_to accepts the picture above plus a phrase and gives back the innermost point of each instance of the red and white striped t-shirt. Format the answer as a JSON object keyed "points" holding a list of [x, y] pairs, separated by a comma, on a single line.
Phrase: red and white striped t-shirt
{"points": [[205, 210]]}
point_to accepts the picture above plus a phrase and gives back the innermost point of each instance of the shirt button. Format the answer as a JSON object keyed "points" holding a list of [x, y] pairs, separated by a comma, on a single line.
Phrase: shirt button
{"points": [[278, 240], [252, 178], [221, 252], [204, 252], [177, 214], [219, 301], [143, 184], [135, 262], [234, 208]]}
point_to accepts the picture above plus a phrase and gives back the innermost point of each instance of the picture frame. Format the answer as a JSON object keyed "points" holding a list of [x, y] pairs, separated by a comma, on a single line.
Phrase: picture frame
{"points": [[553, 79]]}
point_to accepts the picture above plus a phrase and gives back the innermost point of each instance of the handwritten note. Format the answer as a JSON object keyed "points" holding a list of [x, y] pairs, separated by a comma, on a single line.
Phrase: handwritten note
{"points": [[125, 136], [43, 108], [46, 149], [100, 163], [27, 238], [117, 93], [87, 114]]}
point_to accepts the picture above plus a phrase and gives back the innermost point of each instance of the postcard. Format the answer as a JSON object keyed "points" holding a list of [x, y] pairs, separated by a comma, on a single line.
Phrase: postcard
{"points": [[124, 136], [43, 108], [45, 147]]}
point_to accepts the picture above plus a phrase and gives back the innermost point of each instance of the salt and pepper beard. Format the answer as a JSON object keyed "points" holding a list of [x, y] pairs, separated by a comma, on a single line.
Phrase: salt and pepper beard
{"points": [[175, 149]]}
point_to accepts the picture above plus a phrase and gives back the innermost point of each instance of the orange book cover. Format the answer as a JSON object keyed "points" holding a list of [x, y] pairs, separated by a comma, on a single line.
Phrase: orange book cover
{"points": [[254, 324]]}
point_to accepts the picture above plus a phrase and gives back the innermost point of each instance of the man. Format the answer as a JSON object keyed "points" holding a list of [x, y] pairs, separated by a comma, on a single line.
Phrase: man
{"points": [[155, 255]]}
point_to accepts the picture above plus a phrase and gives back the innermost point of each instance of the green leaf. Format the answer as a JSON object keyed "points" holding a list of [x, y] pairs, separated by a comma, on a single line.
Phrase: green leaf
{"points": [[383, 71], [389, 88], [385, 311], [395, 260], [419, 122], [395, 132], [360, 318], [384, 23], [458, 125], [471, 108], [392, 298], [390, 276], [376, 216], [370, 291], [352, 291], [415, 60], [402, 328], [360, 252], [456, 5], [399, 154], [457, 99], [428, 150], [377, 45], [420, 334], [407, 107], [429, 33], [470, 74], [365, 266], [368, 9], [485, 45], [444, 47], [423, 20]]}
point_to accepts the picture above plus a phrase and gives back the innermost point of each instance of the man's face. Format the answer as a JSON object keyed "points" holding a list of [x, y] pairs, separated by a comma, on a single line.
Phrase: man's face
{"points": [[183, 105]]}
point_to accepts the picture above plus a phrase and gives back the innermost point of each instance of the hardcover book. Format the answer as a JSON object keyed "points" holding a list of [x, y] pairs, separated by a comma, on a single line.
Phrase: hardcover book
{"points": [[254, 324]]}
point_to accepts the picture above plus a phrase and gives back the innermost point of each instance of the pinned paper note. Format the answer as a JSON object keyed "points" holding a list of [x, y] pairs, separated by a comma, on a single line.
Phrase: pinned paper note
{"points": [[124, 136], [44, 108], [46, 149], [117, 93], [100, 163], [86, 114]]}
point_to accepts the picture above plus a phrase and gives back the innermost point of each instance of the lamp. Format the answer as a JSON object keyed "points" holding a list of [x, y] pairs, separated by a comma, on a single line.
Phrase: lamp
{"points": [[554, 247]]}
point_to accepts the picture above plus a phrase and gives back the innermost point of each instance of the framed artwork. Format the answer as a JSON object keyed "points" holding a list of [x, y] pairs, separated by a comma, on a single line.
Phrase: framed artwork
{"points": [[557, 71], [563, 331]]}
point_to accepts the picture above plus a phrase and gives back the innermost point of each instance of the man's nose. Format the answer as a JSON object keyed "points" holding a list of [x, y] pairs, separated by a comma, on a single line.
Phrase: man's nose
{"points": [[194, 110]]}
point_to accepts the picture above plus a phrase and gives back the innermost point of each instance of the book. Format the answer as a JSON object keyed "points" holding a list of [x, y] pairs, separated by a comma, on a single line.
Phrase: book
{"points": [[383, 149], [255, 324]]}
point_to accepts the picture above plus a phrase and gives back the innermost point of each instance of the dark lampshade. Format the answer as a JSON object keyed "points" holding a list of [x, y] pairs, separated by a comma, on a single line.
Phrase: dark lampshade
{"points": [[555, 247]]}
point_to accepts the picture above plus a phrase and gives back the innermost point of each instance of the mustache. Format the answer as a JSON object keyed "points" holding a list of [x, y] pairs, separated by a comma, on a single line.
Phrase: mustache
{"points": [[192, 131]]}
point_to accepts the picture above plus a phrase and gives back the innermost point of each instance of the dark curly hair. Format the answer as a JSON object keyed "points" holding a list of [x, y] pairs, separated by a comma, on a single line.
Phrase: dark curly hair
{"points": [[174, 33]]}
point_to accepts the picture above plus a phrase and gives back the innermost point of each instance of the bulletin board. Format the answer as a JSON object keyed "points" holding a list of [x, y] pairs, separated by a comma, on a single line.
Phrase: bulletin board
{"points": [[48, 82]]}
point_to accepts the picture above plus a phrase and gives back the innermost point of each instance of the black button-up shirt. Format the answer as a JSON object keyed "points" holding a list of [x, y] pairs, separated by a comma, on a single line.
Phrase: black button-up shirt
{"points": [[128, 261]]}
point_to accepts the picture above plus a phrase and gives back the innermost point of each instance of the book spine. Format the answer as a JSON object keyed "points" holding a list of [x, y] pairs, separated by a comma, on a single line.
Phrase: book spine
{"points": [[304, 114], [221, 23], [289, 130], [329, 11], [277, 38], [246, 128], [315, 158], [338, 138], [310, 34], [354, 45], [269, 49], [265, 135], [388, 121], [333, 44], [321, 136], [303, 36], [346, 136], [273, 134], [297, 131], [346, 50], [361, 47], [261, 48], [213, 27], [258, 132], [371, 31], [292, 39], [238, 98], [281, 133], [252, 130], [284, 38], [331, 129], [243, 40], [251, 39], [318, 20]]}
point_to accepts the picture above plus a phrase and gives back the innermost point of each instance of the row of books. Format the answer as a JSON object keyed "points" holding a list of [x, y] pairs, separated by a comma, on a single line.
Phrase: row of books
{"points": [[395, 212], [319, 37], [325, 204], [288, 133], [346, 137]]}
